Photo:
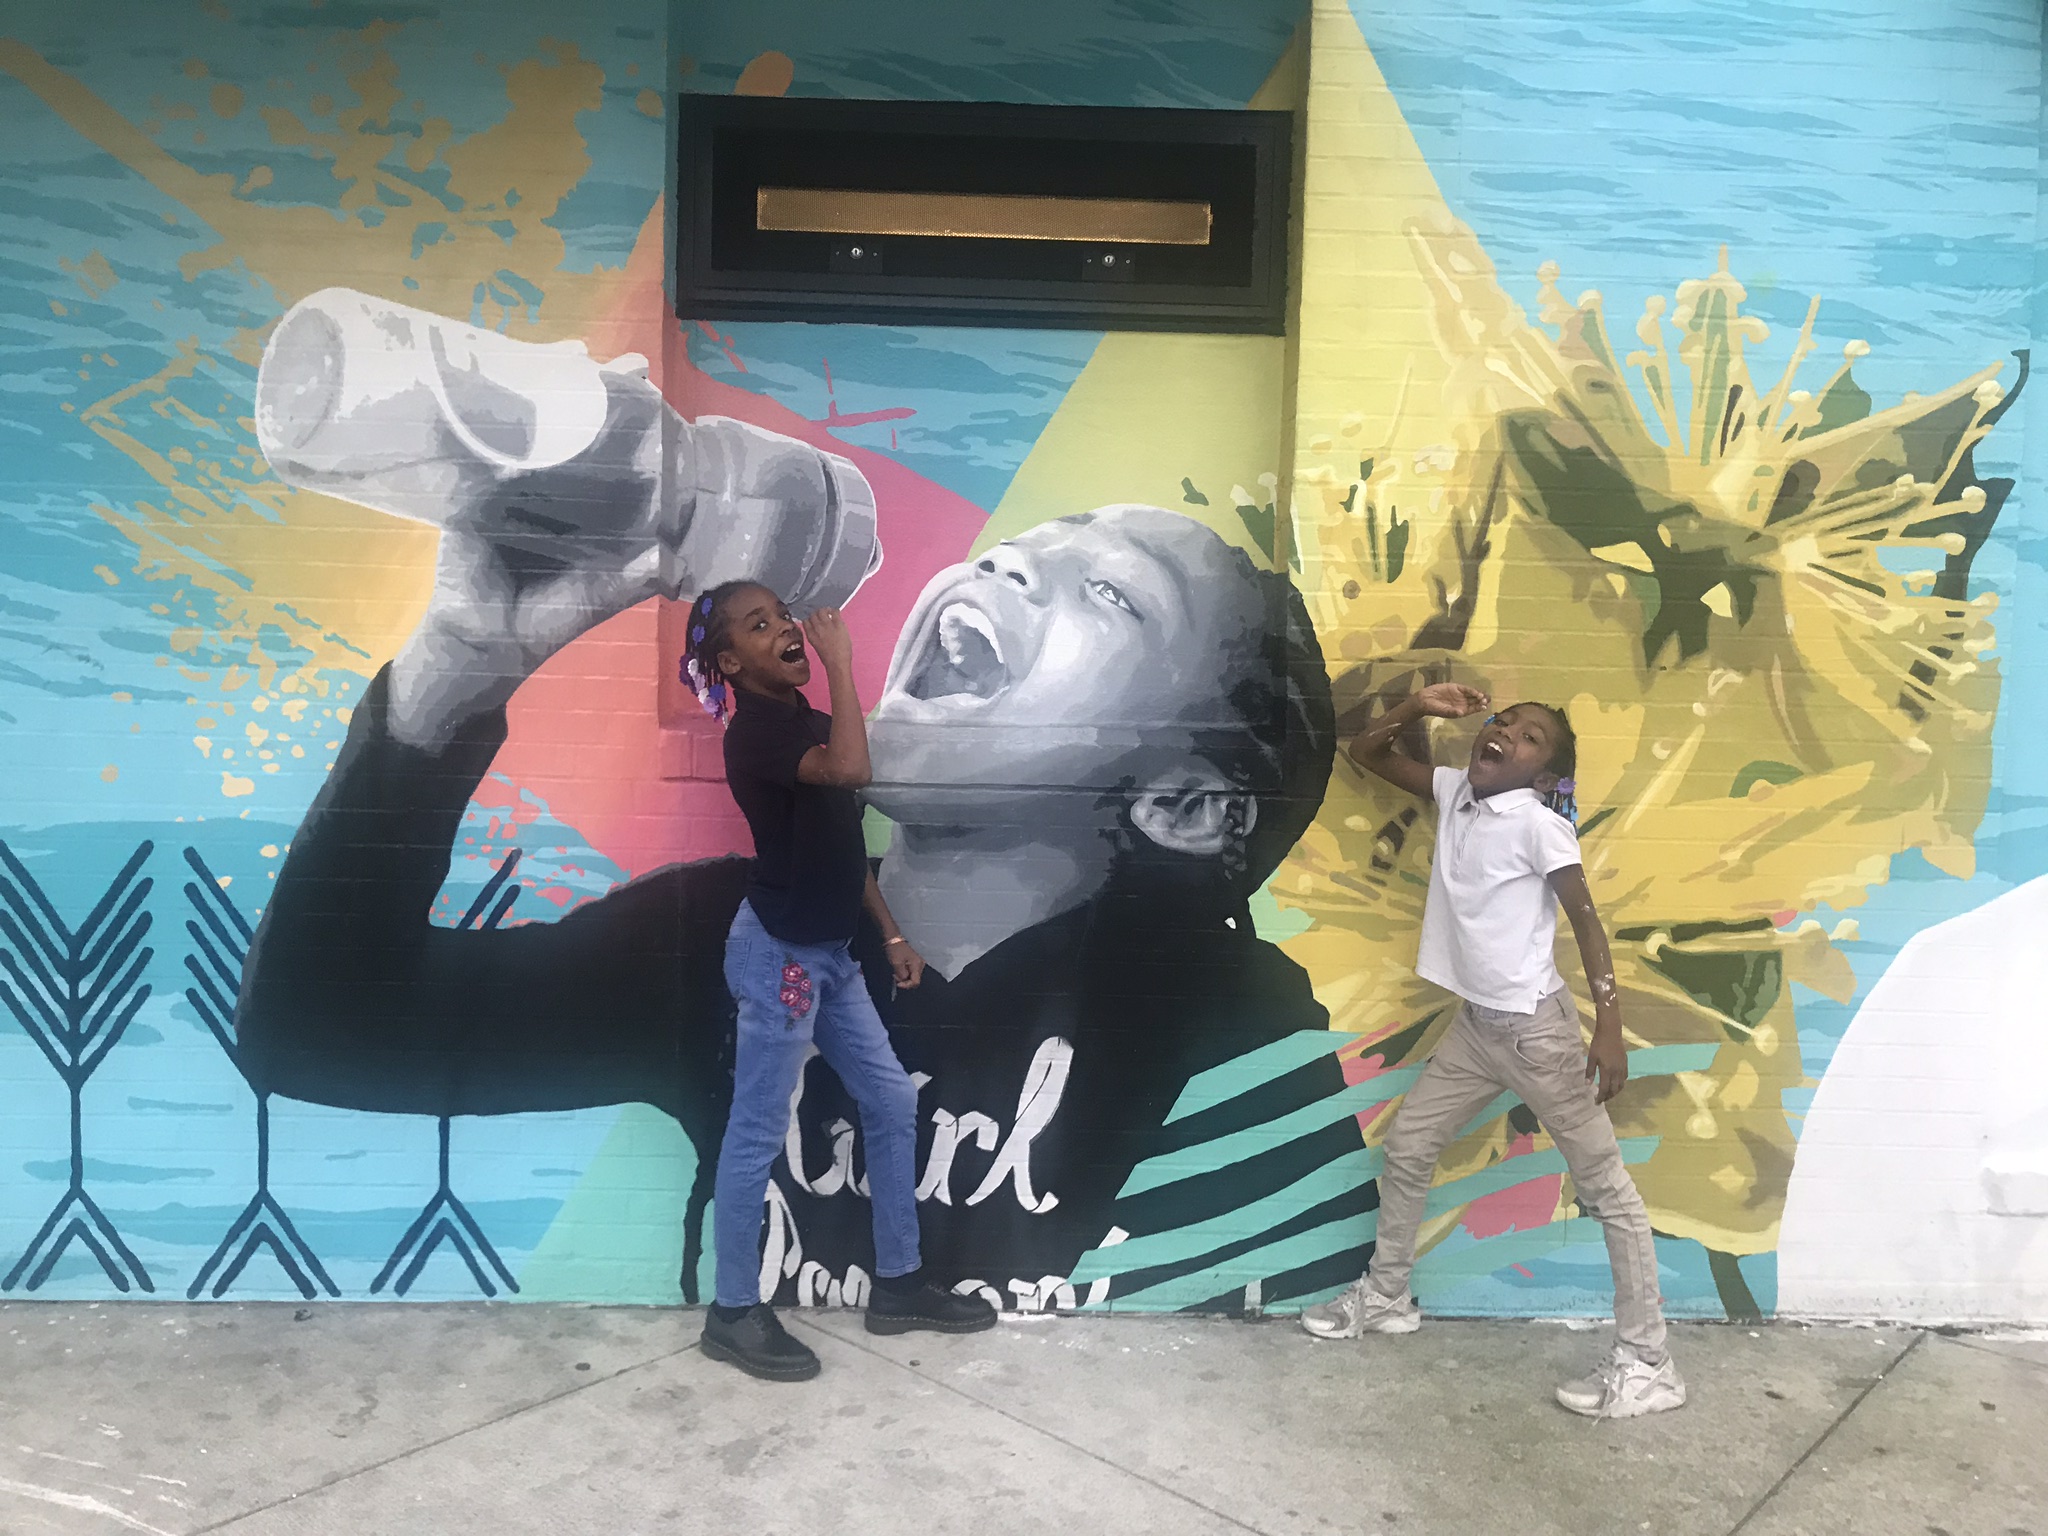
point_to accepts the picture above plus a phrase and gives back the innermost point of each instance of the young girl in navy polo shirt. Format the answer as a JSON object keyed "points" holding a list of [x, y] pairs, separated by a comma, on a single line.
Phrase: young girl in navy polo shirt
{"points": [[1506, 858], [794, 773]]}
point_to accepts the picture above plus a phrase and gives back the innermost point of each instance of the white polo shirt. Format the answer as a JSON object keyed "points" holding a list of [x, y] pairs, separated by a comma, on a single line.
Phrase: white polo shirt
{"points": [[1489, 930]]}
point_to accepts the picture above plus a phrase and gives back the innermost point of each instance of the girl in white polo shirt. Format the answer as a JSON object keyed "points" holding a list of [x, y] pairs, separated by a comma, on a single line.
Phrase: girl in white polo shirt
{"points": [[1506, 858]]}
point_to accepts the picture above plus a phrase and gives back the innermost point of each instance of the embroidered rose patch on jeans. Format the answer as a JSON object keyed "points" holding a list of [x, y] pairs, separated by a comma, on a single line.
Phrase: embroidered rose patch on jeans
{"points": [[796, 991]]}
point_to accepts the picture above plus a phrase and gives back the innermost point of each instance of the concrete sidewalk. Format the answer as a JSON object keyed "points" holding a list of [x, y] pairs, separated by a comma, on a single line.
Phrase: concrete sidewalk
{"points": [[448, 1421]]}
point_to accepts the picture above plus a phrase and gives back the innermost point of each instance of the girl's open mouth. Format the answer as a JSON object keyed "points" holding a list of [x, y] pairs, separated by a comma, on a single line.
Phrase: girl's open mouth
{"points": [[793, 652], [962, 657], [1492, 751]]}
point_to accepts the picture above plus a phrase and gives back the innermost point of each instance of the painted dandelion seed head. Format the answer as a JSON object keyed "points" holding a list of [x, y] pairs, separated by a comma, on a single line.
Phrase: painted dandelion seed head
{"points": [[1706, 569]]}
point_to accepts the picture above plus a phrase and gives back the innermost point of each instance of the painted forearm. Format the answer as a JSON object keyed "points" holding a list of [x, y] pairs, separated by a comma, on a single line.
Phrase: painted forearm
{"points": [[1577, 901], [848, 746], [878, 910], [1373, 745], [1599, 965]]}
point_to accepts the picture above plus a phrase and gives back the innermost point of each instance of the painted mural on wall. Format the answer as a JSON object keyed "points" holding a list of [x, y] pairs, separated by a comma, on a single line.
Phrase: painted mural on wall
{"points": [[359, 935], [1095, 742]]}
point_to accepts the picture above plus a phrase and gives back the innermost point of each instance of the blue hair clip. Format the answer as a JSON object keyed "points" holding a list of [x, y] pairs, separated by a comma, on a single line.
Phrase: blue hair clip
{"points": [[704, 603], [1489, 719], [697, 635]]}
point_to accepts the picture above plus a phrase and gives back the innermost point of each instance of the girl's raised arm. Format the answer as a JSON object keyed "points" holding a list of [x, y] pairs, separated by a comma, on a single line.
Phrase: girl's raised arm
{"points": [[1373, 748]]}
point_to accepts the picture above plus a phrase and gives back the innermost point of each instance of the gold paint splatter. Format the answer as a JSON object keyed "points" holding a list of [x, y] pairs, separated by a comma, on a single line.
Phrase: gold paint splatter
{"points": [[268, 850], [111, 580], [109, 773], [123, 696], [649, 102], [58, 309], [204, 744], [321, 105], [195, 69], [233, 786], [766, 74], [95, 274], [343, 583]]}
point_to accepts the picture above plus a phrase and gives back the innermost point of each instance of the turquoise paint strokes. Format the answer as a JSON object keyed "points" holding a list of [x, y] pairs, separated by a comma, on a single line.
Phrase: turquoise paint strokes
{"points": [[1182, 1243], [1220, 1084]]}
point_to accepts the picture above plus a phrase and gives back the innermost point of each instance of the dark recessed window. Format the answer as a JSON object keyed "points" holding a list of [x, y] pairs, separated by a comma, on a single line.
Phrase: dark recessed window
{"points": [[969, 214]]}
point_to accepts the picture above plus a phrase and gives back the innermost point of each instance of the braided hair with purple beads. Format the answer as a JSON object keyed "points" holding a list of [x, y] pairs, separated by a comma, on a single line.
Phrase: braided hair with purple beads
{"points": [[1564, 762], [703, 643]]}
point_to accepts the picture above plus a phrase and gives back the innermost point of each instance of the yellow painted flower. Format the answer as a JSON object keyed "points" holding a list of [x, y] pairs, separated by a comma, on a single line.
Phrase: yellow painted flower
{"points": [[1770, 704]]}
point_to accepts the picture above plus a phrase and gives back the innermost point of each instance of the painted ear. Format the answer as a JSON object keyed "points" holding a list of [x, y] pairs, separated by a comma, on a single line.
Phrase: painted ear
{"points": [[1198, 812], [1545, 782]]}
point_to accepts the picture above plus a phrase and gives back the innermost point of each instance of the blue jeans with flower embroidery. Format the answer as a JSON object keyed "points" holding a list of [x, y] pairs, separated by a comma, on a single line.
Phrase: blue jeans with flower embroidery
{"points": [[791, 997]]}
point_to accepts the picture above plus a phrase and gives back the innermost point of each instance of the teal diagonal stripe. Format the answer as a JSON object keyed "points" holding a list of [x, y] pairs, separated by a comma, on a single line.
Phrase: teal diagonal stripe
{"points": [[1191, 1162], [1325, 1183], [1511, 1171], [1442, 1266], [1200, 1237], [1273, 1259], [1241, 1074]]}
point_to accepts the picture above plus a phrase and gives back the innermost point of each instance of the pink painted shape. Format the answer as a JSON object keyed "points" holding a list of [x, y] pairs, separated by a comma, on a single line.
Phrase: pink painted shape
{"points": [[1518, 1208]]}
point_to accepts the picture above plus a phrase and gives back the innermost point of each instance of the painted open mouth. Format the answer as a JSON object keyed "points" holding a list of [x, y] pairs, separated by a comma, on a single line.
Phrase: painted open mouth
{"points": [[962, 658]]}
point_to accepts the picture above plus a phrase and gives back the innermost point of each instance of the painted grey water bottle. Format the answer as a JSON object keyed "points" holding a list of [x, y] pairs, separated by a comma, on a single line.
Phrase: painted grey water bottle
{"points": [[545, 450]]}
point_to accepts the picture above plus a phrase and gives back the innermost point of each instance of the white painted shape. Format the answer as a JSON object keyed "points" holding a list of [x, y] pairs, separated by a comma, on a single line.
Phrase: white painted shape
{"points": [[1926, 1130]]}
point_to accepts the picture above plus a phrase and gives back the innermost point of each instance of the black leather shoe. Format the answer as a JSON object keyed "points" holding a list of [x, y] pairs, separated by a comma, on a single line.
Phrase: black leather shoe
{"points": [[929, 1308], [758, 1345]]}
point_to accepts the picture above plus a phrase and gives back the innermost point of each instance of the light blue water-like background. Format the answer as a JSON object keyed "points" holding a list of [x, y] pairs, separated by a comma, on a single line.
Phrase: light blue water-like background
{"points": [[1885, 156]]}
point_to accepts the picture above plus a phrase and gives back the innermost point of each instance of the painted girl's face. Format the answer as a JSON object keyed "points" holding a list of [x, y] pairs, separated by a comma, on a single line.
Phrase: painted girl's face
{"points": [[1050, 660]]}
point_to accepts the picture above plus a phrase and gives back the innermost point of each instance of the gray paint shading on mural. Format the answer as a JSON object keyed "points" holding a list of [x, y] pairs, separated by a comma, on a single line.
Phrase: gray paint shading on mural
{"points": [[1096, 741]]}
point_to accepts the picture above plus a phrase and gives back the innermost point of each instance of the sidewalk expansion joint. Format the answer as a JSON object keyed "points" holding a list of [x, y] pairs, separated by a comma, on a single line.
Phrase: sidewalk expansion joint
{"points": [[1825, 1435], [1039, 1429], [226, 1522]]}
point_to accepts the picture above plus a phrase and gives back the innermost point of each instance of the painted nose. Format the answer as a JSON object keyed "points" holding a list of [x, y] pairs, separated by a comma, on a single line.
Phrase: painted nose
{"points": [[1008, 563]]}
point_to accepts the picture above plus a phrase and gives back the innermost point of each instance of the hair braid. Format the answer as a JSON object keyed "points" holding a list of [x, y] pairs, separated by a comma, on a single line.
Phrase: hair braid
{"points": [[1564, 762], [703, 642]]}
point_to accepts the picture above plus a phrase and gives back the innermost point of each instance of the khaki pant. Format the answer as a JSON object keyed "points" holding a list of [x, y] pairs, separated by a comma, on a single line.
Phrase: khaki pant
{"points": [[1541, 1058]]}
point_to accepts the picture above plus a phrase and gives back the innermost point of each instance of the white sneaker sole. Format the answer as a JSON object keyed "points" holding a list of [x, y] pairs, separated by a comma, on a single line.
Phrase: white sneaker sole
{"points": [[1408, 1324], [1660, 1402]]}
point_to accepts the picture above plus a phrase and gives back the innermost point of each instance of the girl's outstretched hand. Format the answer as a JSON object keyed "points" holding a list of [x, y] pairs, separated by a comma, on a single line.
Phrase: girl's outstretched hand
{"points": [[1451, 701]]}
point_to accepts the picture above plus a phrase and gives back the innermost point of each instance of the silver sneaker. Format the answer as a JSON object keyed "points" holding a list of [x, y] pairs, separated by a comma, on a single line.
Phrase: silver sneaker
{"points": [[1361, 1309], [1625, 1387]]}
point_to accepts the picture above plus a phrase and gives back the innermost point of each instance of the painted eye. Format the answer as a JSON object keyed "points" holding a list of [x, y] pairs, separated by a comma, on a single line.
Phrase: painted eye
{"points": [[1109, 593]]}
